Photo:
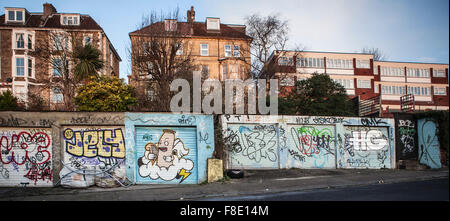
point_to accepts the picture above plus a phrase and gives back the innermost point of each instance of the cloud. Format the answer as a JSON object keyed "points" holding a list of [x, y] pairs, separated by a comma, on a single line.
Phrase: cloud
{"points": [[155, 172]]}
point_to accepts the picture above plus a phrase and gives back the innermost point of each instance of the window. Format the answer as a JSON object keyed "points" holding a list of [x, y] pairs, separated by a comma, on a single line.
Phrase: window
{"points": [[375, 89], [419, 91], [205, 71], [236, 52], [30, 68], [180, 49], [392, 71], [204, 50], [87, 40], [20, 41], [440, 91], [20, 66], [285, 61], [57, 95], [11, 15], [30, 42], [57, 66], [16, 16], [438, 73], [224, 71], [212, 24], [375, 70], [362, 64], [170, 24], [339, 63], [60, 41], [19, 15], [70, 20], [227, 50], [415, 72], [347, 83], [151, 94], [310, 62], [363, 84]]}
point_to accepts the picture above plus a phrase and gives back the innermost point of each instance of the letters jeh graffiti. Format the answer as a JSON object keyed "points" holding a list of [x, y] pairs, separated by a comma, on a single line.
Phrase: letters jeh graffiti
{"points": [[93, 143]]}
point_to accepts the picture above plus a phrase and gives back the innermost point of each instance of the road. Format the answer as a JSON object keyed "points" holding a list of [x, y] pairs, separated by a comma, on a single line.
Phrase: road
{"points": [[429, 190]]}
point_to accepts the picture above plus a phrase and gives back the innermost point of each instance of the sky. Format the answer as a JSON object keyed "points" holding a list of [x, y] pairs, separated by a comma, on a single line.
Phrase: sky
{"points": [[405, 30]]}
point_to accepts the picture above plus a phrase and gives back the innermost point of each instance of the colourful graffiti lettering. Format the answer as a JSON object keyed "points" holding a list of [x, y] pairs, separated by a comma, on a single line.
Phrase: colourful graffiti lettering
{"points": [[25, 155], [39, 172], [93, 143], [19, 145], [312, 140]]}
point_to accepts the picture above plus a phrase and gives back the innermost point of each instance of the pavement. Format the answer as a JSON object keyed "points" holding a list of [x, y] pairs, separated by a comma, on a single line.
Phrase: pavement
{"points": [[255, 182]]}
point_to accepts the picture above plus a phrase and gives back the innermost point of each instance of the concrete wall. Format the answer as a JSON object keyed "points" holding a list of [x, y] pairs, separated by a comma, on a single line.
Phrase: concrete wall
{"points": [[262, 142], [80, 149]]}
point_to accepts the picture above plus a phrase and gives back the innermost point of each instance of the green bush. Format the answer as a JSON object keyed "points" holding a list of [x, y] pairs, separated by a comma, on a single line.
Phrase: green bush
{"points": [[105, 94], [8, 102]]}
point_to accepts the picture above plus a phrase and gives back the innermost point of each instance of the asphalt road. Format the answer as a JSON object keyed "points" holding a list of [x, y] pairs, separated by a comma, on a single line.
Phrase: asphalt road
{"points": [[429, 190]]}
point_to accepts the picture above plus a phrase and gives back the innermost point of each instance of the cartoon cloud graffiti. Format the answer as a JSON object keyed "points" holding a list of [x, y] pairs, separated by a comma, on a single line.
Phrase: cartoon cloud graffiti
{"points": [[165, 159]]}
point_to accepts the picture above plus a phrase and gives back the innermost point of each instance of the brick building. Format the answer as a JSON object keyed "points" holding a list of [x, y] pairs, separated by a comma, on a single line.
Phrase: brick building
{"points": [[22, 31], [380, 81], [221, 51]]}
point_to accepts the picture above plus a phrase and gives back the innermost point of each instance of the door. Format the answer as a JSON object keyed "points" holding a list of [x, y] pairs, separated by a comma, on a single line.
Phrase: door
{"points": [[252, 146], [364, 147], [311, 146], [166, 155], [429, 148]]}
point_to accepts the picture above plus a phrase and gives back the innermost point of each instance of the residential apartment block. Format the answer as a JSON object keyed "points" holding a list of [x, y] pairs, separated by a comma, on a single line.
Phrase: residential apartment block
{"points": [[367, 79], [22, 32], [219, 51]]}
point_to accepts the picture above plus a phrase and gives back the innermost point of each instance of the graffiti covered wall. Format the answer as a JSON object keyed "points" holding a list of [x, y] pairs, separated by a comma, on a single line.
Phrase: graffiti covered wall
{"points": [[406, 133], [94, 154], [26, 157], [168, 148], [364, 147], [259, 142], [253, 145]]}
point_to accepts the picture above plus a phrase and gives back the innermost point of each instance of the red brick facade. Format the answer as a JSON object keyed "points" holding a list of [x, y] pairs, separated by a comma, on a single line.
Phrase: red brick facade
{"points": [[378, 79], [36, 28]]}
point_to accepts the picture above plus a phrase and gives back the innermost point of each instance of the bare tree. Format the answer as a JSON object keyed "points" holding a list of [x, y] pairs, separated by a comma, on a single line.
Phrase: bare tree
{"points": [[378, 54], [57, 50], [269, 34], [159, 53]]}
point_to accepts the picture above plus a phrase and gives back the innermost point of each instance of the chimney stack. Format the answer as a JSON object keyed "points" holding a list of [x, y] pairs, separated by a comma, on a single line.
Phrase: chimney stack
{"points": [[191, 19], [191, 15], [49, 10]]}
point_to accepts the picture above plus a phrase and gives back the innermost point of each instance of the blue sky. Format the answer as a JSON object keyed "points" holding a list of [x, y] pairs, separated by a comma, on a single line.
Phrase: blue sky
{"points": [[405, 30]]}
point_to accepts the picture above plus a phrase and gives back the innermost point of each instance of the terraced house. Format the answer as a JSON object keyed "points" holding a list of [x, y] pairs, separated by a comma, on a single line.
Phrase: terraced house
{"points": [[22, 34], [220, 51], [379, 83]]}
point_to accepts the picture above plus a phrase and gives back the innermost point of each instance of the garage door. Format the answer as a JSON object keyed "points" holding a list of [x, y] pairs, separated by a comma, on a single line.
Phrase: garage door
{"points": [[311, 146], [166, 155], [364, 148], [429, 148], [252, 146]]}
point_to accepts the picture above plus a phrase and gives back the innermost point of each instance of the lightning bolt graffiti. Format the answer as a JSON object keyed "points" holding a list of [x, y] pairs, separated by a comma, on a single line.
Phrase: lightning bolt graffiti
{"points": [[184, 174]]}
